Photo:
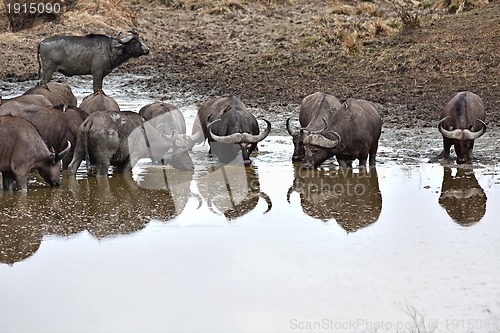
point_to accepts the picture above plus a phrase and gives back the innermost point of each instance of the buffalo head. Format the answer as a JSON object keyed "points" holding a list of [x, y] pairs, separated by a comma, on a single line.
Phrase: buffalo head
{"points": [[319, 147], [462, 139], [228, 147]]}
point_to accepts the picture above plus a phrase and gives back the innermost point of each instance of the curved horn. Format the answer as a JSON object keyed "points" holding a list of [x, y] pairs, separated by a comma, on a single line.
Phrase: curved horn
{"points": [[455, 134], [116, 35], [322, 141], [289, 130], [233, 138], [66, 150], [196, 137], [469, 135], [250, 138], [321, 130], [133, 31], [127, 39]]}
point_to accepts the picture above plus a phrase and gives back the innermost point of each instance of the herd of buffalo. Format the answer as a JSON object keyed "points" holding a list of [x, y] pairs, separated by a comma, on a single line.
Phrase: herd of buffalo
{"points": [[44, 130]]}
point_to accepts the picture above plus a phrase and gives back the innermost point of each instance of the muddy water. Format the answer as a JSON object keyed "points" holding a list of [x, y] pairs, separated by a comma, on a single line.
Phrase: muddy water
{"points": [[269, 248]]}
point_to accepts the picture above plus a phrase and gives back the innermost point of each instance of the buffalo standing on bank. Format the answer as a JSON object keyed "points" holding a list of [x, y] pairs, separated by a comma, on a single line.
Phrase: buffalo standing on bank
{"points": [[92, 54], [462, 122]]}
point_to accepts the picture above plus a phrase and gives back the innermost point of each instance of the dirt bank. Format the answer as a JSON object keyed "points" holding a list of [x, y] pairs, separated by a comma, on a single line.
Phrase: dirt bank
{"points": [[272, 56]]}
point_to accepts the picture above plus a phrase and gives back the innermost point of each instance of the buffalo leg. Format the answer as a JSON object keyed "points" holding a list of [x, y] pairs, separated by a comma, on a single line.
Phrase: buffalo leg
{"points": [[97, 82], [22, 182], [8, 180], [46, 75], [447, 146]]}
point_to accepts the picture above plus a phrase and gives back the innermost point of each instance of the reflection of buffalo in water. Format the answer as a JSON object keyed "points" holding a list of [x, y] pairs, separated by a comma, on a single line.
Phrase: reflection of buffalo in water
{"points": [[104, 207], [352, 199], [20, 233], [462, 196], [232, 190]]}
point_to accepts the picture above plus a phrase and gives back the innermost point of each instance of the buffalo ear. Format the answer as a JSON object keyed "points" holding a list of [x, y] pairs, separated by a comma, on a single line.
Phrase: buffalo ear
{"points": [[52, 159]]}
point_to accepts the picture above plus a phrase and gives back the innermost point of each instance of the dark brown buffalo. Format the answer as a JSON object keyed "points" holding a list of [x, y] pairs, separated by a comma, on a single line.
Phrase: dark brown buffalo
{"points": [[351, 132], [232, 191], [353, 199], [98, 102], [462, 196], [21, 150], [313, 109], [39, 100], [462, 122], [57, 93], [230, 128], [120, 139], [57, 124]]}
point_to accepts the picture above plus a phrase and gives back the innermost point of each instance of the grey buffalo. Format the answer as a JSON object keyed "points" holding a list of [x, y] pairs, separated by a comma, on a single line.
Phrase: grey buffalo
{"points": [[462, 122], [98, 102], [22, 149], [93, 54], [312, 110], [351, 132], [230, 128], [57, 125], [120, 139]]}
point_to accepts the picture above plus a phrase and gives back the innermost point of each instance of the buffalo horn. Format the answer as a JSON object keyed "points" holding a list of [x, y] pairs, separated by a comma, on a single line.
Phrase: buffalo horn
{"points": [[321, 130], [469, 135], [322, 141], [250, 138], [289, 130], [66, 150], [461, 134], [133, 31], [240, 137]]}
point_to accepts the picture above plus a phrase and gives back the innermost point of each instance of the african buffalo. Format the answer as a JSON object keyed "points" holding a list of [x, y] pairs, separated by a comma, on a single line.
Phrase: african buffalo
{"points": [[351, 132], [169, 120], [92, 54], [57, 93], [232, 190], [21, 150], [57, 125], [120, 139], [98, 102], [230, 128], [462, 122], [353, 199], [462, 196], [313, 109]]}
